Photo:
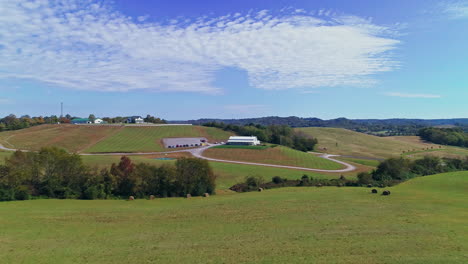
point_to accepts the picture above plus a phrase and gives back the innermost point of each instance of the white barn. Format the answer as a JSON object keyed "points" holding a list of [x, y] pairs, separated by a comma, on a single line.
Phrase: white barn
{"points": [[250, 141]]}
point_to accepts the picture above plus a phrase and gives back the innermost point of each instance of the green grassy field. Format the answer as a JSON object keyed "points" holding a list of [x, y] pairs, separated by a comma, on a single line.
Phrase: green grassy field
{"points": [[346, 142], [423, 221], [147, 139], [278, 155]]}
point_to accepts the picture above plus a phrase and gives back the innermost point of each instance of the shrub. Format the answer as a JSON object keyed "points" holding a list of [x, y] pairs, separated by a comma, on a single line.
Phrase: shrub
{"points": [[278, 180], [254, 181], [23, 193], [364, 178]]}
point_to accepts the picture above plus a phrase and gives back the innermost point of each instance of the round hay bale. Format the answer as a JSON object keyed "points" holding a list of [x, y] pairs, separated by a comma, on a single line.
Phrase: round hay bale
{"points": [[260, 189], [189, 195], [131, 198], [369, 185], [206, 195], [152, 197], [386, 192], [374, 191]]}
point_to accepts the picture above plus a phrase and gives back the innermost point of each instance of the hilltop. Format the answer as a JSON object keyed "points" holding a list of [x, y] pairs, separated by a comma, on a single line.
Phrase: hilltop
{"points": [[103, 138], [350, 143]]}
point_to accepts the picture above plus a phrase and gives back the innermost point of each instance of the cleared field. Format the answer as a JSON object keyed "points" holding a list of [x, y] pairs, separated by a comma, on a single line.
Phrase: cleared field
{"points": [[423, 221], [73, 138], [278, 155], [346, 142], [148, 139]]}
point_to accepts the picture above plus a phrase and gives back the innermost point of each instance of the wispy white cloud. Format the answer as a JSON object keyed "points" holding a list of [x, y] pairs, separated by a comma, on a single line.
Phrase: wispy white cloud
{"points": [[455, 9], [83, 45], [142, 18], [410, 95]]}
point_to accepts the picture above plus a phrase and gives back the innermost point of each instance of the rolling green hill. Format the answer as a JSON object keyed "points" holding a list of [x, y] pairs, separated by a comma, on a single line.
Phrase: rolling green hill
{"points": [[423, 221], [346, 142]]}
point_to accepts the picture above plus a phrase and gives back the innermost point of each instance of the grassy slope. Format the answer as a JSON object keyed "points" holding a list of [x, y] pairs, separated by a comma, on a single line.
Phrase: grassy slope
{"points": [[362, 145], [277, 155], [70, 137], [147, 139], [423, 221]]}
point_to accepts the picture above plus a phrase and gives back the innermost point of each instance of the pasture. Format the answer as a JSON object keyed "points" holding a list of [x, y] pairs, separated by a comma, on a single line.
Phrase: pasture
{"points": [[149, 139], [346, 142], [423, 221], [277, 155]]}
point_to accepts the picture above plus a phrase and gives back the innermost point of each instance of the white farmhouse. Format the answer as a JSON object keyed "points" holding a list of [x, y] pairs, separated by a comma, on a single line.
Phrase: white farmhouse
{"points": [[249, 141]]}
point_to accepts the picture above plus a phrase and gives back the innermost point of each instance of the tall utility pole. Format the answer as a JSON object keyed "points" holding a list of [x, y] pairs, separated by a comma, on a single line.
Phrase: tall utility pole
{"points": [[61, 109]]}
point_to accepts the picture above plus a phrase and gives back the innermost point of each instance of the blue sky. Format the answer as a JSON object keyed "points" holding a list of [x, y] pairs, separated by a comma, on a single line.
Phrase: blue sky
{"points": [[183, 59]]}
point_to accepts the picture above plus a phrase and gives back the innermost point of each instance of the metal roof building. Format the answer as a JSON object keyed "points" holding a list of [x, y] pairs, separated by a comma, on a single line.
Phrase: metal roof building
{"points": [[236, 140]]}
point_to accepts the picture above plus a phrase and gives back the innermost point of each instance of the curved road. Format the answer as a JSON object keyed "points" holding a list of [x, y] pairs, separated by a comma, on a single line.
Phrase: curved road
{"points": [[198, 152]]}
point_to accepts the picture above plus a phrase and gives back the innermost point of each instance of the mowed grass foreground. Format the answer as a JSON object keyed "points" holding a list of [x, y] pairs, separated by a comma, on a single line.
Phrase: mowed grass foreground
{"points": [[148, 139], [278, 155], [423, 221], [346, 142]]}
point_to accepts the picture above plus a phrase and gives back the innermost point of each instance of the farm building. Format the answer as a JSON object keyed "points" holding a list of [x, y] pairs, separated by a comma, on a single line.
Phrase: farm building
{"points": [[135, 120], [251, 141], [87, 121], [81, 121]]}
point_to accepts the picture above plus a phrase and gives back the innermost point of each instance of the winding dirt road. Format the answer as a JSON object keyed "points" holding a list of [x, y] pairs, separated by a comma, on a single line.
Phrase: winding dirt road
{"points": [[198, 152]]}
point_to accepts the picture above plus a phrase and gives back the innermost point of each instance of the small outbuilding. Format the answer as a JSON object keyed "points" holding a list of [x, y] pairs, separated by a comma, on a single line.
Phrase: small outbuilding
{"points": [[246, 141]]}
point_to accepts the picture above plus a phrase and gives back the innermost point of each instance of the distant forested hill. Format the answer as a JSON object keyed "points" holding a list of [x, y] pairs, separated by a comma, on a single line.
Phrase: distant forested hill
{"points": [[380, 127]]}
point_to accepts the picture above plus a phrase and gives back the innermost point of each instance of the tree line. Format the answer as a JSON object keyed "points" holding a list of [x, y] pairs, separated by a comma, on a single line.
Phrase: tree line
{"points": [[395, 170], [378, 127], [275, 134], [12, 122], [54, 173], [445, 136]]}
